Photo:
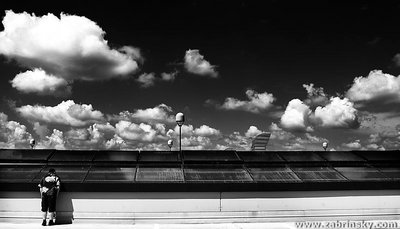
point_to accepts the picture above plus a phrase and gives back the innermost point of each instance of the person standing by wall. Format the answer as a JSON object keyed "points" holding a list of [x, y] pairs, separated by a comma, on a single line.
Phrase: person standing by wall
{"points": [[49, 187]]}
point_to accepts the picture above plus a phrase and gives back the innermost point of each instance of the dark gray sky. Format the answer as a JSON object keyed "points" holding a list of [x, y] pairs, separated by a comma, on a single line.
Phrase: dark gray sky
{"points": [[268, 48]]}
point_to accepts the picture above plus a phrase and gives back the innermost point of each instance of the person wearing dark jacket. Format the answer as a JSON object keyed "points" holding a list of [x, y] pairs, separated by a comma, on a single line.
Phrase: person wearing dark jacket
{"points": [[49, 187]]}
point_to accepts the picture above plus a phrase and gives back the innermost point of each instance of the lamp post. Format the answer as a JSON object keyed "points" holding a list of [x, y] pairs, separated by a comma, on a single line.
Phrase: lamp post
{"points": [[32, 143], [170, 143], [325, 145], [180, 119]]}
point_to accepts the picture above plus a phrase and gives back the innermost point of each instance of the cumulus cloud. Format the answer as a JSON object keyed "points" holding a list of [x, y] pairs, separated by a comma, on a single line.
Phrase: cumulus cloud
{"points": [[284, 140], [196, 143], [149, 79], [65, 113], [169, 76], [296, 116], [315, 96], [257, 102], [203, 137], [54, 141], [237, 141], [116, 143], [40, 130], [338, 113], [39, 82], [376, 92], [206, 131], [158, 114], [69, 47], [195, 63], [140, 132], [189, 130], [385, 138], [13, 134], [146, 79], [356, 144], [252, 132], [90, 138]]}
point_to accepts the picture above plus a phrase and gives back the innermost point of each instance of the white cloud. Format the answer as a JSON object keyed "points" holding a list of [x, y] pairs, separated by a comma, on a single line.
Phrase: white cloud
{"points": [[257, 103], [315, 96], [169, 76], [65, 113], [356, 144], [115, 143], [54, 141], [13, 134], [146, 79], [338, 113], [158, 114], [296, 116], [196, 143], [206, 131], [195, 63], [189, 130], [237, 141], [70, 47], [376, 86], [40, 130], [90, 138], [139, 132], [252, 132], [149, 79], [37, 81]]}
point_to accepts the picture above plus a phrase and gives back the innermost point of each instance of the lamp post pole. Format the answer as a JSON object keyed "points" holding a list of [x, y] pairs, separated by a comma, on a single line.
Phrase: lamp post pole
{"points": [[180, 119]]}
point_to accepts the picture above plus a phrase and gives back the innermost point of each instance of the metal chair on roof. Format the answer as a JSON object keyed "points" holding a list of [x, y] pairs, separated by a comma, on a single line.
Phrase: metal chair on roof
{"points": [[260, 142]]}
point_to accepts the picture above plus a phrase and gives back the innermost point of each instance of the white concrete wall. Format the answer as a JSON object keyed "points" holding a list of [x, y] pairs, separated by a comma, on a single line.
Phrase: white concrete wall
{"points": [[310, 200], [198, 207]]}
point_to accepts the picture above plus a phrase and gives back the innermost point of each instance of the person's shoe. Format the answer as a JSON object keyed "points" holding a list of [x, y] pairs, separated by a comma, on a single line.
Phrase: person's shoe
{"points": [[44, 223], [51, 222]]}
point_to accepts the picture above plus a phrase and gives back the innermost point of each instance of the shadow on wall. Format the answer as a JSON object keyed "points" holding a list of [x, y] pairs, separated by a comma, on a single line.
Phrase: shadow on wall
{"points": [[65, 209]]}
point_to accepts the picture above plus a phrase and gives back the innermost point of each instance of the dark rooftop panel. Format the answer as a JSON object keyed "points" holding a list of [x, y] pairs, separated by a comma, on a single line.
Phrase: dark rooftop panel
{"points": [[69, 174], [19, 173], [159, 156], [252, 156], [300, 156], [273, 174], [24, 154], [361, 173], [159, 174], [341, 156], [380, 155], [72, 156], [392, 173], [111, 174], [211, 156], [116, 156], [216, 174], [318, 174]]}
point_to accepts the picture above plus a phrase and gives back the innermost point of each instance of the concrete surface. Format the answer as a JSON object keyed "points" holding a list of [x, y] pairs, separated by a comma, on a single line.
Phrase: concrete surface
{"points": [[290, 225]]}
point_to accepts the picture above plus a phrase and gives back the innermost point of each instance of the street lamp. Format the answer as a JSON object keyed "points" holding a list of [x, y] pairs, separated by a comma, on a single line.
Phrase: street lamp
{"points": [[32, 143], [180, 119], [170, 143], [325, 145]]}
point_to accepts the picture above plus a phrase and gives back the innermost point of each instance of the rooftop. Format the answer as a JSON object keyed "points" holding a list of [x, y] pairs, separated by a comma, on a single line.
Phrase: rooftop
{"points": [[195, 170]]}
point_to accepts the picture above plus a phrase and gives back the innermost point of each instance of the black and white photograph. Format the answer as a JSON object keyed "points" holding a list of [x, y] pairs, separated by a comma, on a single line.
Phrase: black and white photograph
{"points": [[200, 114]]}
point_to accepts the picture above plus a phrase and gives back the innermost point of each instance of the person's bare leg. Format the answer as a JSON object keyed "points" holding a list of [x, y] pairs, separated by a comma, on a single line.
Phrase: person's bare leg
{"points": [[51, 222], [44, 216]]}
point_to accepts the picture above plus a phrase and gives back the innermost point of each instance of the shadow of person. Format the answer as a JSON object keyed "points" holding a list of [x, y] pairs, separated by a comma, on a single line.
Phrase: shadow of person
{"points": [[64, 209]]}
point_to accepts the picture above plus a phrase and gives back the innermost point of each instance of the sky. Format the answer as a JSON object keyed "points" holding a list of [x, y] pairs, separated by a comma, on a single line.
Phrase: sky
{"points": [[100, 75]]}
